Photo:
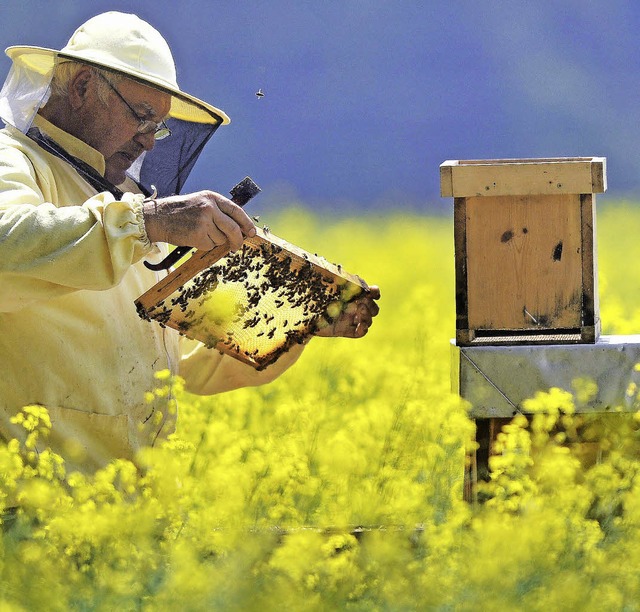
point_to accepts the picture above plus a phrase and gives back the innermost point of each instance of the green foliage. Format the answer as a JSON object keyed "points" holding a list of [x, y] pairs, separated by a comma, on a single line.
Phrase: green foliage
{"points": [[339, 486]]}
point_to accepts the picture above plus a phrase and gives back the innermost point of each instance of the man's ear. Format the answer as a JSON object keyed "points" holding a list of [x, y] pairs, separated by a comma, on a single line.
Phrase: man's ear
{"points": [[78, 87]]}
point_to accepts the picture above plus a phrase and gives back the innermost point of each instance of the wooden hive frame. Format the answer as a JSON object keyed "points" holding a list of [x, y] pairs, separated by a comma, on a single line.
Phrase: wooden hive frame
{"points": [[525, 248], [300, 290]]}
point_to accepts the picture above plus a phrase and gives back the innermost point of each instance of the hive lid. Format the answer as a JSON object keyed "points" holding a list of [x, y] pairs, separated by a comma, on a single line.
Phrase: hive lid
{"points": [[543, 176]]}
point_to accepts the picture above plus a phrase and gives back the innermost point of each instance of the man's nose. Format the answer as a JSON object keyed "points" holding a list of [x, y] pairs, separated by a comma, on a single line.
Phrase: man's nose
{"points": [[146, 141]]}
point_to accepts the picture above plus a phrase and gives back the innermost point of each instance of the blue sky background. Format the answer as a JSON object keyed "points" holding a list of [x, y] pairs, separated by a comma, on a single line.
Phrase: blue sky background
{"points": [[365, 99]]}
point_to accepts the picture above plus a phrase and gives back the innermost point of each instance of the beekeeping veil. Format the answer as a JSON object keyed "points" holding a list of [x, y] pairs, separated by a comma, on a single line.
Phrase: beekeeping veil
{"points": [[128, 45]]}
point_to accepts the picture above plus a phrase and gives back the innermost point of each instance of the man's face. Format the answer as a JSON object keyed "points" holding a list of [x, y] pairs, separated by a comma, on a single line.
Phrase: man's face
{"points": [[113, 130]]}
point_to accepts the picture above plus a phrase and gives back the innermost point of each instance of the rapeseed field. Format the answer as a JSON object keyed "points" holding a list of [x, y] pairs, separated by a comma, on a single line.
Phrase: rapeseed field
{"points": [[340, 485]]}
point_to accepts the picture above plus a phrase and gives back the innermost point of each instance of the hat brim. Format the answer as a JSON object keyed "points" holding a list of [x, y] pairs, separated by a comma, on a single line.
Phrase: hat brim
{"points": [[183, 106]]}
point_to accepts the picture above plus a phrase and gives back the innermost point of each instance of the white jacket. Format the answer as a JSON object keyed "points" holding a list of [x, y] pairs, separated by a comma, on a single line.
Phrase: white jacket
{"points": [[70, 338]]}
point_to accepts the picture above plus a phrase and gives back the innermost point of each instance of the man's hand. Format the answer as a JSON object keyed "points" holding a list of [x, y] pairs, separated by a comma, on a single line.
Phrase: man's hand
{"points": [[354, 321], [203, 220]]}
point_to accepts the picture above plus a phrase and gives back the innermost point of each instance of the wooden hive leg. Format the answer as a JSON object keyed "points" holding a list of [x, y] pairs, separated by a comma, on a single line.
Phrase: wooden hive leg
{"points": [[477, 466]]}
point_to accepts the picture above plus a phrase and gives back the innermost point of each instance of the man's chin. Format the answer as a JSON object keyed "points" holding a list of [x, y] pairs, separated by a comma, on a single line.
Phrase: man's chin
{"points": [[115, 177], [116, 167]]}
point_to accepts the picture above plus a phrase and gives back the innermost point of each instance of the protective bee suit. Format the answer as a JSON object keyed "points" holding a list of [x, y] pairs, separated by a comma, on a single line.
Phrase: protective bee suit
{"points": [[71, 258]]}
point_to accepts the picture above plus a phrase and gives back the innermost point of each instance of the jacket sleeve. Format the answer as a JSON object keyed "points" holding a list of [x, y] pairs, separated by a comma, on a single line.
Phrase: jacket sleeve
{"points": [[47, 250], [207, 372]]}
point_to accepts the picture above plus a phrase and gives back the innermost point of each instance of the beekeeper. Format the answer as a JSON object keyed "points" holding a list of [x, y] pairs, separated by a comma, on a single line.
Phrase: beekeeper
{"points": [[98, 136]]}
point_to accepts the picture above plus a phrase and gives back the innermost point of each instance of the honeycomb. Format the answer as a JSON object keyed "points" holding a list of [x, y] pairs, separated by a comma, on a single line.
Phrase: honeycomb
{"points": [[254, 304]]}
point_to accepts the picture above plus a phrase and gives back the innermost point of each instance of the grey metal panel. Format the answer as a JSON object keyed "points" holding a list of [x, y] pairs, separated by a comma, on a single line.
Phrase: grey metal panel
{"points": [[497, 379]]}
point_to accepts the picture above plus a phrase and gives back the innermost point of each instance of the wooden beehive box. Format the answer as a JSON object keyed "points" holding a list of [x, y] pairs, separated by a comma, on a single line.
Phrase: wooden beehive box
{"points": [[525, 249]]}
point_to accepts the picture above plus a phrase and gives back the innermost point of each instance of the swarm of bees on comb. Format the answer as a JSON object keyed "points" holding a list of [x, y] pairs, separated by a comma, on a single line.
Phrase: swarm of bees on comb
{"points": [[254, 304]]}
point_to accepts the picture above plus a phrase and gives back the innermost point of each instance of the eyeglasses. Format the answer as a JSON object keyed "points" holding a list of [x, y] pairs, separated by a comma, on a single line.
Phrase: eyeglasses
{"points": [[145, 126]]}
